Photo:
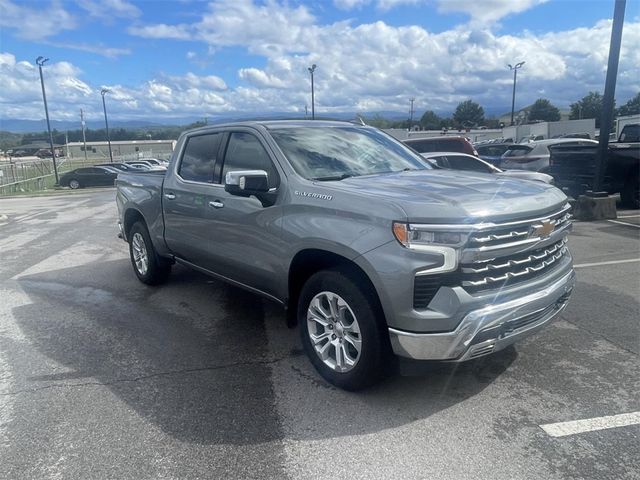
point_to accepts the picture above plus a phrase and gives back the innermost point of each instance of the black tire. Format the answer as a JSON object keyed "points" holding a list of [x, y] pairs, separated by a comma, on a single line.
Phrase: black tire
{"points": [[630, 194], [374, 356], [157, 269], [74, 184]]}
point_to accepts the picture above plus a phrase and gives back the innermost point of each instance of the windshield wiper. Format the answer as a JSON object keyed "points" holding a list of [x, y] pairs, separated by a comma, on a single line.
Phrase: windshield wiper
{"points": [[332, 177]]}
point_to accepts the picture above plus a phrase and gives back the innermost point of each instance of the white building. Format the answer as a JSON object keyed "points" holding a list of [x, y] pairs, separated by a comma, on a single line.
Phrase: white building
{"points": [[122, 149]]}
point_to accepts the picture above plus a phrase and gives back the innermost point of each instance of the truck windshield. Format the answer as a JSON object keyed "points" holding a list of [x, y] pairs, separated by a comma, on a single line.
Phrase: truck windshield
{"points": [[334, 153]]}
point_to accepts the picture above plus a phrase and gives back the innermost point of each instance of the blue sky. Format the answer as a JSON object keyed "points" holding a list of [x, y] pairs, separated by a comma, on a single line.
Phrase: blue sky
{"points": [[165, 59]]}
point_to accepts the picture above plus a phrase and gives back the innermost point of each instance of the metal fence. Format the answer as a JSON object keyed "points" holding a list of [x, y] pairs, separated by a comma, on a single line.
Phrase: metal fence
{"points": [[17, 176], [29, 175]]}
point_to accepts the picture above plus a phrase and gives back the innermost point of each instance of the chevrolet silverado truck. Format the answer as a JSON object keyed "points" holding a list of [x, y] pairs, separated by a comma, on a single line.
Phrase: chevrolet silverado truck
{"points": [[371, 252]]}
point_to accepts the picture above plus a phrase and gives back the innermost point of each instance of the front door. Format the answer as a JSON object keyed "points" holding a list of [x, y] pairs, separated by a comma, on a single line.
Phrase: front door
{"points": [[249, 246]]}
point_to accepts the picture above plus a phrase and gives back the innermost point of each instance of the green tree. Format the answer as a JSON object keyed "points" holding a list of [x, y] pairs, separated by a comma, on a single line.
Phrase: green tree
{"points": [[542, 109], [632, 107], [468, 114], [589, 106], [430, 120]]}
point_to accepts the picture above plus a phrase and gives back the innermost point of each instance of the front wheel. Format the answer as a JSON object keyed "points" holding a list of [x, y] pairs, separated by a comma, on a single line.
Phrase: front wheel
{"points": [[342, 329], [148, 266], [74, 184]]}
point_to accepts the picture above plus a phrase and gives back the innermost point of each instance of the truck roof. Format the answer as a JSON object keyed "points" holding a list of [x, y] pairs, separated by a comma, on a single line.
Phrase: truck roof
{"points": [[281, 124]]}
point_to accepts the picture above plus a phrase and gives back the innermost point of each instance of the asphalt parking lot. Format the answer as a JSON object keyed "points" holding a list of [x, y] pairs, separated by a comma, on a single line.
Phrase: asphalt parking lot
{"points": [[103, 377]]}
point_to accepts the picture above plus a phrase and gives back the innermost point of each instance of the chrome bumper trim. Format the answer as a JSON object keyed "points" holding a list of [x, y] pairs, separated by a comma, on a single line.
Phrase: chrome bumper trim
{"points": [[488, 329]]}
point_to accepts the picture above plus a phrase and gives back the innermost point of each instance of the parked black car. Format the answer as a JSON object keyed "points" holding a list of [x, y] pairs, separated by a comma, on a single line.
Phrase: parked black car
{"points": [[573, 167], [89, 177]]}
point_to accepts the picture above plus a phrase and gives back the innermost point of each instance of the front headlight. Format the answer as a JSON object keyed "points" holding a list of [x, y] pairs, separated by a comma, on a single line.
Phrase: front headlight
{"points": [[431, 239], [415, 236]]}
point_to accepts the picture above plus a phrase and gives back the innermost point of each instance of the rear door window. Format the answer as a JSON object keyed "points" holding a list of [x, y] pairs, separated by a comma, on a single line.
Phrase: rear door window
{"points": [[199, 158]]}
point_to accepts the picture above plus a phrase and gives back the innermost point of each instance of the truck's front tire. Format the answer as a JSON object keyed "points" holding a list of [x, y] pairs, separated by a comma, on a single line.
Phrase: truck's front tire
{"points": [[342, 329], [148, 266]]}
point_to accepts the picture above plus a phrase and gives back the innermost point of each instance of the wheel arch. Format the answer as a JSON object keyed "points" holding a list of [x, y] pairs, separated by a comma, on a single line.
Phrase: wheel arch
{"points": [[131, 216], [308, 261]]}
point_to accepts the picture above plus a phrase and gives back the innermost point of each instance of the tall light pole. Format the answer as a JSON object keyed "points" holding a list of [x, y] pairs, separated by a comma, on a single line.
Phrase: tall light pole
{"points": [[312, 69], [84, 138], [103, 92], [41, 61], [608, 101], [411, 113], [513, 97]]}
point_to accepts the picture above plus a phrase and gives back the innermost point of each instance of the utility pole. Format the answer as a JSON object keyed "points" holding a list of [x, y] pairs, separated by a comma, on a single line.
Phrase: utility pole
{"points": [[84, 138], [412, 99], [609, 94], [312, 69], [41, 61], [103, 92], [513, 96]]}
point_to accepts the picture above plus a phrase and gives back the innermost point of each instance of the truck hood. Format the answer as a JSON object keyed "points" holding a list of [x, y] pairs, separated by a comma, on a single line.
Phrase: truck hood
{"points": [[446, 196]]}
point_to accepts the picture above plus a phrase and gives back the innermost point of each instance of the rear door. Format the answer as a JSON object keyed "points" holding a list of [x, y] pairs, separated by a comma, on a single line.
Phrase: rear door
{"points": [[185, 197]]}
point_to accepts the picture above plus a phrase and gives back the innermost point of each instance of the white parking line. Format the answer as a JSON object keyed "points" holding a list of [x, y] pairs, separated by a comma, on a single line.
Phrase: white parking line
{"points": [[624, 223], [628, 216], [591, 424], [611, 262]]}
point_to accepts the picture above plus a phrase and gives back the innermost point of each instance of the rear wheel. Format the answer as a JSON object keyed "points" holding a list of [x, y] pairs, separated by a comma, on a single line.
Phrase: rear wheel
{"points": [[148, 266], [630, 194], [342, 329], [74, 184]]}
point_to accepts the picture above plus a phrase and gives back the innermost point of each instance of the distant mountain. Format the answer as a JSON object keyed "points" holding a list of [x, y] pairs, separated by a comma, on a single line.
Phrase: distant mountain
{"points": [[16, 125]]}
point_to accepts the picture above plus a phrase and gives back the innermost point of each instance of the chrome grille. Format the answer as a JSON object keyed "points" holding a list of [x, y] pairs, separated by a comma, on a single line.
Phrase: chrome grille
{"points": [[492, 263], [503, 235]]}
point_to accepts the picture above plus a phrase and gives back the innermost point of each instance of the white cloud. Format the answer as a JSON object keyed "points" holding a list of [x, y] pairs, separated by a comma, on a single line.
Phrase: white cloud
{"points": [[161, 30], [108, 9], [99, 49], [20, 94], [35, 23], [486, 11], [479, 11], [350, 4]]}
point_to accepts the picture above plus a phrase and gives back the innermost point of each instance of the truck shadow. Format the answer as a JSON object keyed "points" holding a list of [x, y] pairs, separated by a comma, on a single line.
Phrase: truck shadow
{"points": [[197, 359]]}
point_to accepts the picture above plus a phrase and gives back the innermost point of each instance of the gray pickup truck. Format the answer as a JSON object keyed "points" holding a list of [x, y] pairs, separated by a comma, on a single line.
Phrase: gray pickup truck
{"points": [[371, 252]]}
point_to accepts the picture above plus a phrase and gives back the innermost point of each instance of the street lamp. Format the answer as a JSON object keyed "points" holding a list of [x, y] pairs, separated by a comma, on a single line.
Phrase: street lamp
{"points": [[40, 61], [513, 98], [103, 92], [312, 69]]}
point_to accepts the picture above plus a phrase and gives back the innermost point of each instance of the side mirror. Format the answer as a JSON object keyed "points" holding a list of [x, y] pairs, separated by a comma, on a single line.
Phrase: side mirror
{"points": [[245, 183]]}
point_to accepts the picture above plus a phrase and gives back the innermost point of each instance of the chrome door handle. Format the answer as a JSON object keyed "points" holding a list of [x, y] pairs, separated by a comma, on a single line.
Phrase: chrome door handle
{"points": [[216, 204], [170, 196]]}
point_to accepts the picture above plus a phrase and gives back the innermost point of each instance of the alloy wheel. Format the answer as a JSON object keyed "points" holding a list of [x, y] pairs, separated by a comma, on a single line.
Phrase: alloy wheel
{"points": [[334, 331], [140, 255]]}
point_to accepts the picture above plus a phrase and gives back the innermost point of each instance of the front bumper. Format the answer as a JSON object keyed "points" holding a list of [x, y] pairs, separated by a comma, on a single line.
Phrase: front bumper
{"points": [[487, 329]]}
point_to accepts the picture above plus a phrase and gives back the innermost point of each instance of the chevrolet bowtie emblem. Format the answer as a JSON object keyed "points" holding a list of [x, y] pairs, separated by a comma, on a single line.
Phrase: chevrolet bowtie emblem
{"points": [[543, 229]]}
